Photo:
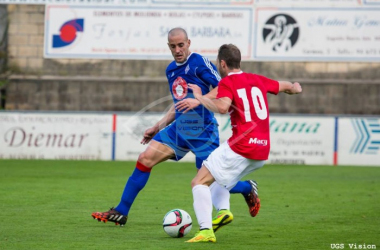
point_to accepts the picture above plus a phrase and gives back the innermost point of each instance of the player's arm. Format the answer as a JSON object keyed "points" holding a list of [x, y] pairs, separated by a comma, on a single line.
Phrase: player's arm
{"points": [[166, 120], [191, 103], [187, 104], [290, 88], [212, 94], [208, 73], [220, 105]]}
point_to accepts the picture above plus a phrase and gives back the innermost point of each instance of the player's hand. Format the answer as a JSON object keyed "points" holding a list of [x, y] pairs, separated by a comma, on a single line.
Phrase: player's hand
{"points": [[197, 91], [148, 135], [294, 89], [297, 88], [187, 104]]}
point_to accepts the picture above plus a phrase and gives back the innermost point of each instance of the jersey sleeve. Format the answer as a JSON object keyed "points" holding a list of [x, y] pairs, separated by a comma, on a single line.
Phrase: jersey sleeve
{"points": [[224, 90], [208, 72], [167, 71], [272, 86]]}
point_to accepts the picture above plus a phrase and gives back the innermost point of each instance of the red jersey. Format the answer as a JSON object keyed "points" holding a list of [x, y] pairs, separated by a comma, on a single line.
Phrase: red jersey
{"points": [[249, 112]]}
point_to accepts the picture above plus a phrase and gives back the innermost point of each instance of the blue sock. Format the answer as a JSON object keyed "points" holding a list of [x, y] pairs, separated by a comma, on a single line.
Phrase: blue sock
{"points": [[242, 187], [135, 183]]}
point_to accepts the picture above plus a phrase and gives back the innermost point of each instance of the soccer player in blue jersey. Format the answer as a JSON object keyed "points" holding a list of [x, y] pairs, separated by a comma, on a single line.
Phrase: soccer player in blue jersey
{"points": [[187, 126]]}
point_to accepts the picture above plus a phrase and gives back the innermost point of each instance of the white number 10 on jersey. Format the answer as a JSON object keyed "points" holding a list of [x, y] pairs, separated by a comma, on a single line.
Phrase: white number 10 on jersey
{"points": [[258, 104]]}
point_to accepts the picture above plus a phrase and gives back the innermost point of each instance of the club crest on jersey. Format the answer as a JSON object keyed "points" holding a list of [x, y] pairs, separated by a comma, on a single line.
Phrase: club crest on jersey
{"points": [[179, 88]]}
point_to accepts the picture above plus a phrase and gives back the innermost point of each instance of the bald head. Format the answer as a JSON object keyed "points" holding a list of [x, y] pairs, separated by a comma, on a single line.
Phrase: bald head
{"points": [[176, 32], [179, 44]]}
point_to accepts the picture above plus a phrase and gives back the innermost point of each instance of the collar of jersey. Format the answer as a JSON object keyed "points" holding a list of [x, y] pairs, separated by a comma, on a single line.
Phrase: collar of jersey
{"points": [[235, 73], [180, 64]]}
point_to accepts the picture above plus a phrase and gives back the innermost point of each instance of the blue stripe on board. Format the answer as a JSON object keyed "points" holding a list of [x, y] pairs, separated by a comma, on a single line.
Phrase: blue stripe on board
{"points": [[373, 148], [367, 138]]}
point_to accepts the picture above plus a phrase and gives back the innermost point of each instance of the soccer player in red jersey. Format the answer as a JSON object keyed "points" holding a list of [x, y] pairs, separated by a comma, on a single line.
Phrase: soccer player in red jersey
{"points": [[244, 97]]}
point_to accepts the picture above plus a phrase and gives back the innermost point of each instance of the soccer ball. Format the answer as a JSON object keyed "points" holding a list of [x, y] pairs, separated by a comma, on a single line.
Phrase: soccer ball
{"points": [[177, 223]]}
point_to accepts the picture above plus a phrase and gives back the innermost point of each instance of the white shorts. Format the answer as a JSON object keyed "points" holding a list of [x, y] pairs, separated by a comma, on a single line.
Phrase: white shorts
{"points": [[228, 167]]}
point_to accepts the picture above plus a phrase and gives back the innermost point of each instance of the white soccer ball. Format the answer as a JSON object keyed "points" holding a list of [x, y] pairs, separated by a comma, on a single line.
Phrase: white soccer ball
{"points": [[177, 223]]}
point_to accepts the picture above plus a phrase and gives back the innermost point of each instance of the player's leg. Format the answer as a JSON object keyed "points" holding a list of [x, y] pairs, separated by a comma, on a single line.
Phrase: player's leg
{"points": [[252, 198], [249, 190], [165, 145], [202, 147], [155, 153], [242, 187], [221, 200], [228, 167], [203, 205], [220, 197]]}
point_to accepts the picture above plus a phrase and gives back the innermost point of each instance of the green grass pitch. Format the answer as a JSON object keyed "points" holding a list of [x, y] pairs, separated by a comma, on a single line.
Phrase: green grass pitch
{"points": [[48, 205]]}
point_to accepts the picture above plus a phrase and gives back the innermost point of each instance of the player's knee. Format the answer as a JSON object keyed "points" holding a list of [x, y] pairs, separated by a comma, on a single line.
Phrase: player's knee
{"points": [[145, 159], [195, 182]]}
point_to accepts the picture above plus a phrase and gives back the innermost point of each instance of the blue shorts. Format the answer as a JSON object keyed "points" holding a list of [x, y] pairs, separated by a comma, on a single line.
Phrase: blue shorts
{"points": [[201, 140]]}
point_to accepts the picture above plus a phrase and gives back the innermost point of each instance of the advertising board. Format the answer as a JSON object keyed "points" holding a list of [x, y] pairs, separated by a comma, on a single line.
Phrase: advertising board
{"points": [[305, 140], [92, 32], [55, 136], [359, 141], [317, 34]]}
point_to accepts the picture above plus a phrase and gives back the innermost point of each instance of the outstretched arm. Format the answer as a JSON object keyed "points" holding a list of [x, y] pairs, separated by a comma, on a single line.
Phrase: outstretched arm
{"points": [[290, 88]]}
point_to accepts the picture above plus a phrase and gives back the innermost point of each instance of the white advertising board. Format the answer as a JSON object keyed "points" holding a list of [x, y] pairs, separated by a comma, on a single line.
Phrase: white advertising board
{"points": [[317, 34], [141, 32], [359, 141], [55, 136], [308, 140], [302, 140]]}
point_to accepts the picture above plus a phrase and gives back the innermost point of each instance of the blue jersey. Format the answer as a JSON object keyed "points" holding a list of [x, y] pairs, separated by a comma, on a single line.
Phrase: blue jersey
{"points": [[196, 130], [196, 70]]}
